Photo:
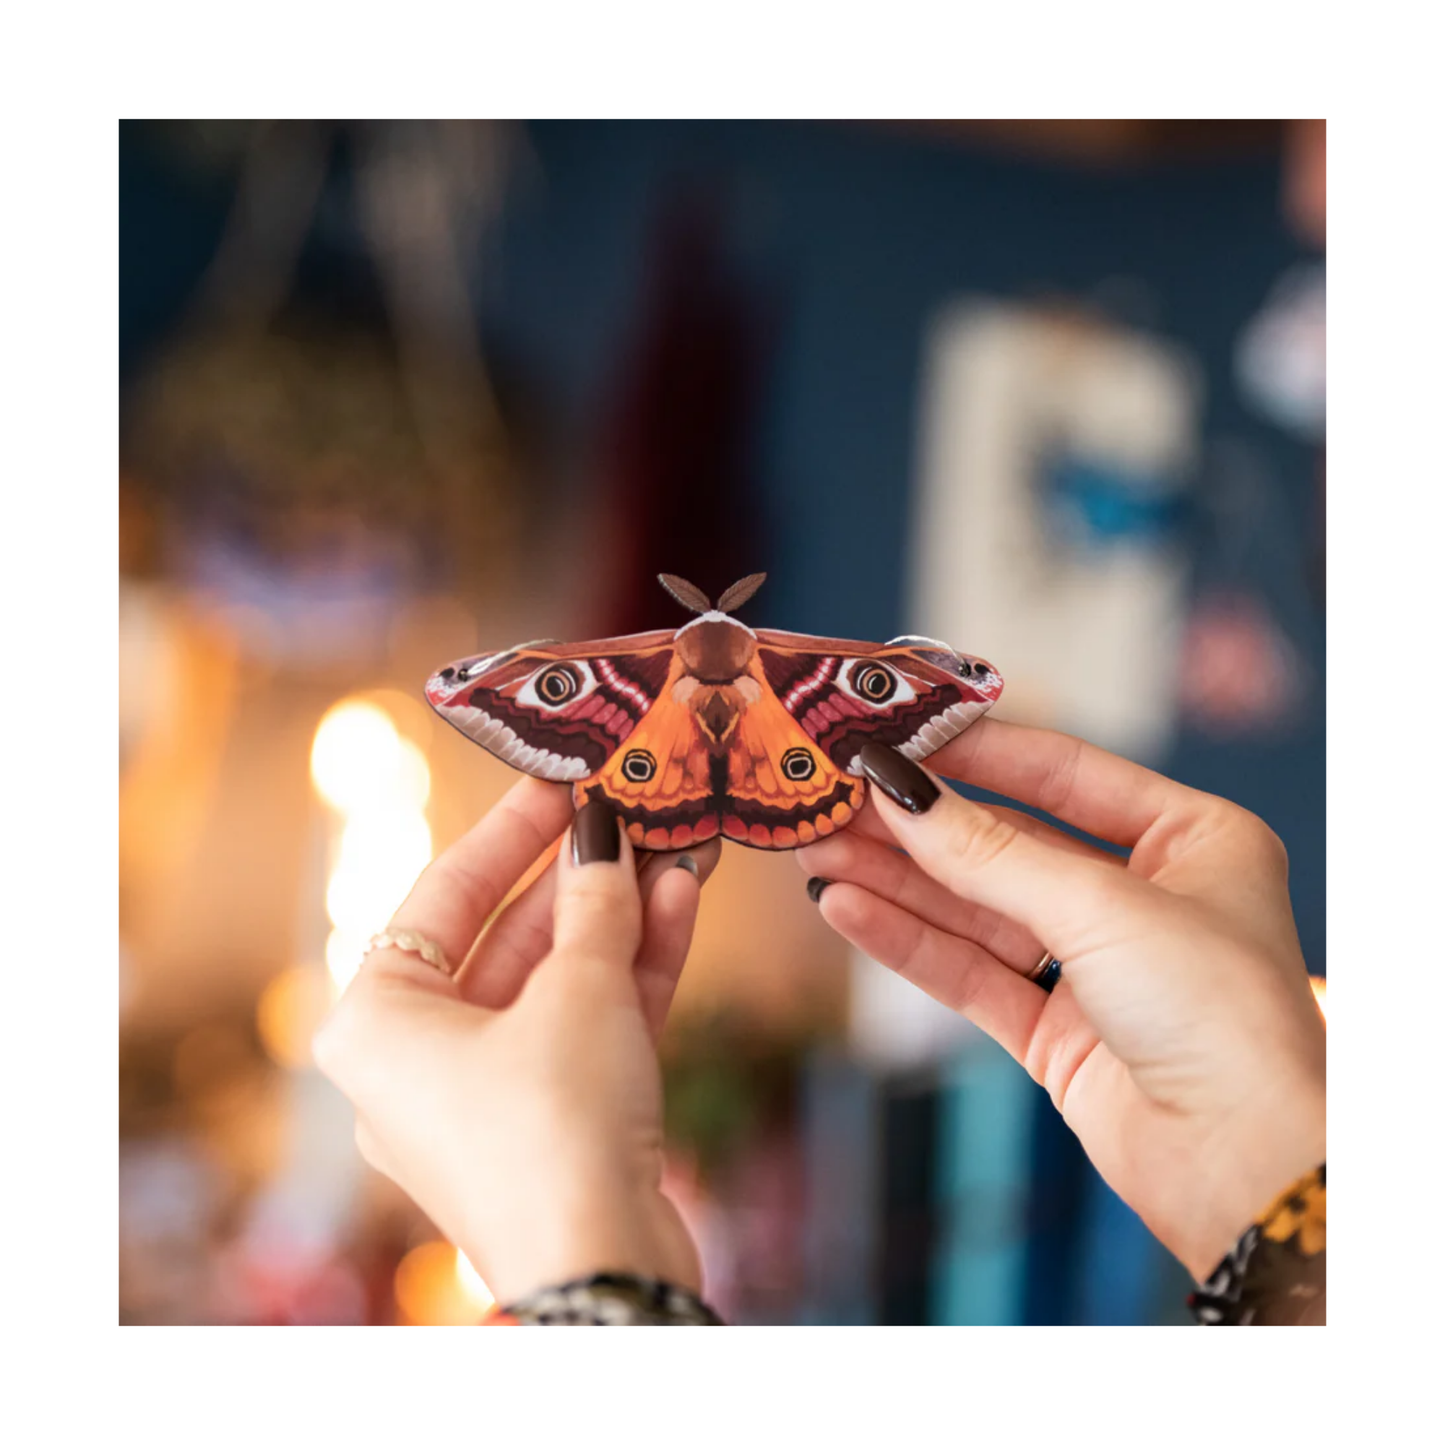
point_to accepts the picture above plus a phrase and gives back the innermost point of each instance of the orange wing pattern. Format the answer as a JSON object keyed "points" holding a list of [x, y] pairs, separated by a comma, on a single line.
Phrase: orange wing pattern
{"points": [[782, 789], [659, 781]]}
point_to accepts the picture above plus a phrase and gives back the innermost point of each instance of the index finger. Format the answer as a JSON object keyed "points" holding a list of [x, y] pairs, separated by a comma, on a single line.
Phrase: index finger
{"points": [[461, 888], [1095, 790]]}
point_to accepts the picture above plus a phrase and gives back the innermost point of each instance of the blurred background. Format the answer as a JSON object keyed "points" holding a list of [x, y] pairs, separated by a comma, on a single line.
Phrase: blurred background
{"points": [[397, 392]]}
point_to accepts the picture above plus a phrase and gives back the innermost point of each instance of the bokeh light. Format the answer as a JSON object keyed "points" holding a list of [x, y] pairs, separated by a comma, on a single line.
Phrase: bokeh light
{"points": [[376, 783], [289, 1012], [361, 764], [473, 1285], [435, 1286], [343, 955]]}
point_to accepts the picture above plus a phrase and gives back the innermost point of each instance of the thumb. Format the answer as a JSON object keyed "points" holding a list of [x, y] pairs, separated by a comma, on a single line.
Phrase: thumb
{"points": [[598, 917], [1067, 900]]}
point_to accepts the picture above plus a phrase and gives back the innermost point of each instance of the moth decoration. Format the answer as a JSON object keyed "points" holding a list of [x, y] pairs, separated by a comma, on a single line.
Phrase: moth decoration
{"points": [[715, 727]]}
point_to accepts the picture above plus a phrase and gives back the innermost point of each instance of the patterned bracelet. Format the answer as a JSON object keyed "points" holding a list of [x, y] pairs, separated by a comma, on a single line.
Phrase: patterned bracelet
{"points": [[1275, 1275], [607, 1299]]}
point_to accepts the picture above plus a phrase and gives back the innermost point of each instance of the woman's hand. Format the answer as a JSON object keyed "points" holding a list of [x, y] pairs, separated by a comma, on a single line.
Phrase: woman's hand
{"points": [[519, 1103], [1182, 1044]]}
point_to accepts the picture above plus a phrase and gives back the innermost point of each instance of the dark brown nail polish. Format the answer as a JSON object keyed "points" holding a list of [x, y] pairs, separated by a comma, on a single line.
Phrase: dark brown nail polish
{"points": [[596, 836], [816, 887], [904, 781]]}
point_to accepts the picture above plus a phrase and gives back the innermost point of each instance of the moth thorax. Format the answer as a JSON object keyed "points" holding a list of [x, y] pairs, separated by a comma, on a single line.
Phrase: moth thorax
{"points": [[717, 710], [715, 652]]}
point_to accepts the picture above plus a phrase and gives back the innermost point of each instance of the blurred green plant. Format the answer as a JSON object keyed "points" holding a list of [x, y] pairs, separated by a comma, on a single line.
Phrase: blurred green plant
{"points": [[726, 1082]]}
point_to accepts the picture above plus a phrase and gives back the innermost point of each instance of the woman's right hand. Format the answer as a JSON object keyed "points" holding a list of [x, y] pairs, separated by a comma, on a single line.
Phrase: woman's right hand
{"points": [[1183, 1044]]}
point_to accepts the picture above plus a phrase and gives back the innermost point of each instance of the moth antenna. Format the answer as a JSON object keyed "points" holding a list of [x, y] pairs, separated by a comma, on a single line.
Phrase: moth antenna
{"points": [[693, 598], [739, 592]]}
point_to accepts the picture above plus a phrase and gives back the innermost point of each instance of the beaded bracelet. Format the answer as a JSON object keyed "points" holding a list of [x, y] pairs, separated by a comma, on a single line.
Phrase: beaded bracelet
{"points": [[1275, 1275], [607, 1298]]}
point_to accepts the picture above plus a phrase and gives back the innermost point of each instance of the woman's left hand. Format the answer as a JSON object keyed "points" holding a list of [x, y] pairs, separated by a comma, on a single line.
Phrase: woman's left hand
{"points": [[520, 1102]]}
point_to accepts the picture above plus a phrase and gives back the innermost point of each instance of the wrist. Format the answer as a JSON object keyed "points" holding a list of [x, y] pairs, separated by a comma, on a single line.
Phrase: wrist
{"points": [[575, 1226], [1275, 1149]]}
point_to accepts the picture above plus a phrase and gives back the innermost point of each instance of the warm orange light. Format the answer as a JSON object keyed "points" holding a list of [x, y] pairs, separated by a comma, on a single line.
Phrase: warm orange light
{"points": [[1318, 985], [432, 1287], [343, 956], [360, 763], [377, 860], [376, 783], [289, 1012], [349, 739], [473, 1285]]}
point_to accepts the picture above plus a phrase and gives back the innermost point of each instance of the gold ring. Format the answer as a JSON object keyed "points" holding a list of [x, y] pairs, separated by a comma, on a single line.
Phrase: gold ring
{"points": [[405, 941], [1046, 972]]}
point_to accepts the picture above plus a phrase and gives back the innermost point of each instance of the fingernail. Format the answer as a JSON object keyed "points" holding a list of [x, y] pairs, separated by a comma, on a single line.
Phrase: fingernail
{"points": [[689, 862], [904, 781], [596, 836], [816, 887]]}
